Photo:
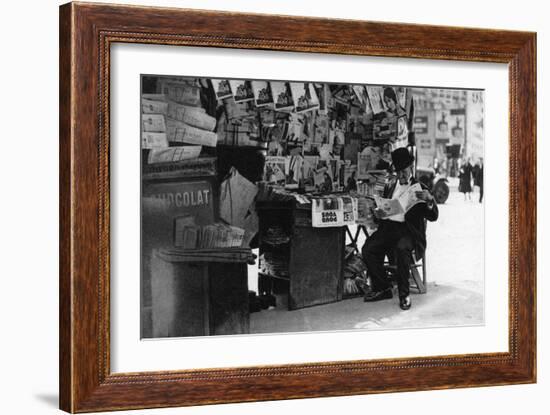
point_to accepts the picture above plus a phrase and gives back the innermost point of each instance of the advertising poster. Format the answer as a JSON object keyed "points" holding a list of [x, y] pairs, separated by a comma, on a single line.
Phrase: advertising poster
{"points": [[442, 124], [457, 122], [474, 118]]}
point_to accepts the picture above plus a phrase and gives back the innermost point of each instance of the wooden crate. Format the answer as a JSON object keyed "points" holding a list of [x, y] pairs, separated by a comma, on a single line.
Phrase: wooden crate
{"points": [[192, 298]]}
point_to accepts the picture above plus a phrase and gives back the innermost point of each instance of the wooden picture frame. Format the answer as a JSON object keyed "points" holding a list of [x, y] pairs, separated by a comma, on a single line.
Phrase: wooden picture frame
{"points": [[86, 33]]}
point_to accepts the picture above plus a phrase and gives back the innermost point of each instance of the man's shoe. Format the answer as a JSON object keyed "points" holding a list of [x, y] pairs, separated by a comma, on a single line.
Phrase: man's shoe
{"points": [[405, 302], [378, 295]]}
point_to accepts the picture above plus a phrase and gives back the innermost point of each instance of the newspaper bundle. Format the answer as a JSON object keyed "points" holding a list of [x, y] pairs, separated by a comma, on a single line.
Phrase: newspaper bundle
{"points": [[149, 106], [153, 123], [181, 132], [153, 140], [182, 93], [217, 235], [172, 154], [176, 111]]}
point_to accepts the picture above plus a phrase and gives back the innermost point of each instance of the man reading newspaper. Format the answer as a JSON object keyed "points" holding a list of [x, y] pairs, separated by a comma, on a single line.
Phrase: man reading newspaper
{"points": [[401, 215]]}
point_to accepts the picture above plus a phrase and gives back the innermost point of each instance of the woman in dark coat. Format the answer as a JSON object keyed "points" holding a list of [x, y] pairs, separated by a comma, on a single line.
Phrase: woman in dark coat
{"points": [[465, 177]]}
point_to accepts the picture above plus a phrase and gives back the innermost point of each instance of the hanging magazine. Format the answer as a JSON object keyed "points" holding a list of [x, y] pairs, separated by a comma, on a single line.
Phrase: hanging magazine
{"points": [[365, 205], [221, 88]]}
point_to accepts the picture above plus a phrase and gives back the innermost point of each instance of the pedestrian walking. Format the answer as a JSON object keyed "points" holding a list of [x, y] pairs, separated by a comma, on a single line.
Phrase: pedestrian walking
{"points": [[465, 180], [478, 178]]}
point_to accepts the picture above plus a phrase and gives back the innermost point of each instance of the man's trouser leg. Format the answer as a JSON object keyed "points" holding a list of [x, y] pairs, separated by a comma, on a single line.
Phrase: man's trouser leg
{"points": [[402, 252], [373, 252]]}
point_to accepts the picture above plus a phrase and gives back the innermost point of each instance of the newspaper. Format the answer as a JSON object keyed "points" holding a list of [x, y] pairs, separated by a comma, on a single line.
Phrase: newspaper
{"points": [[189, 236], [181, 132], [153, 140], [182, 93], [333, 211], [153, 107], [400, 205], [177, 111], [199, 120], [154, 97], [171, 154], [153, 123], [195, 117]]}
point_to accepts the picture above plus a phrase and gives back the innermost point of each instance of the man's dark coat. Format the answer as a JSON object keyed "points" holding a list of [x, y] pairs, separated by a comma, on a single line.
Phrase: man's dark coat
{"points": [[416, 217]]}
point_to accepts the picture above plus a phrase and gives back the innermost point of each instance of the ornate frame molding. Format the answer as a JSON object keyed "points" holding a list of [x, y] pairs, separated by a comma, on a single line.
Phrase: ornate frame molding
{"points": [[86, 33]]}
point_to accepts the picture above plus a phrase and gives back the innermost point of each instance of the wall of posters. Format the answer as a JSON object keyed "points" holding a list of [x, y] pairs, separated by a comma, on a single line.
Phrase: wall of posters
{"points": [[424, 126], [475, 126]]}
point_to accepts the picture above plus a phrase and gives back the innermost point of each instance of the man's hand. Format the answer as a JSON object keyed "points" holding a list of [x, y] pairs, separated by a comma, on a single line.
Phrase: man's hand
{"points": [[378, 213], [425, 196]]}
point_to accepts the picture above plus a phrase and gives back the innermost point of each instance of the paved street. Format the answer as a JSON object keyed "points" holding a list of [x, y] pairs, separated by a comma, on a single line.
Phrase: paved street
{"points": [[455, 284]]}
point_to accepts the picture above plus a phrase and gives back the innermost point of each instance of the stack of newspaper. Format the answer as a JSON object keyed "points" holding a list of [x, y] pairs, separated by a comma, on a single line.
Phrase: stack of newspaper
{"points": [[217, 235], [174, 115]]}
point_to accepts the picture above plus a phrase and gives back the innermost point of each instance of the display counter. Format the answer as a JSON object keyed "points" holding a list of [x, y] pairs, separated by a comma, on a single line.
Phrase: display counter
{"points": [[297, 259]]}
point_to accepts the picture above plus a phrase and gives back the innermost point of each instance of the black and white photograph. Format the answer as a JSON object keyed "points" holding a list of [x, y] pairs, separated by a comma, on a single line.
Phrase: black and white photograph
{"points": [[176, 246], [242, 240]]}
